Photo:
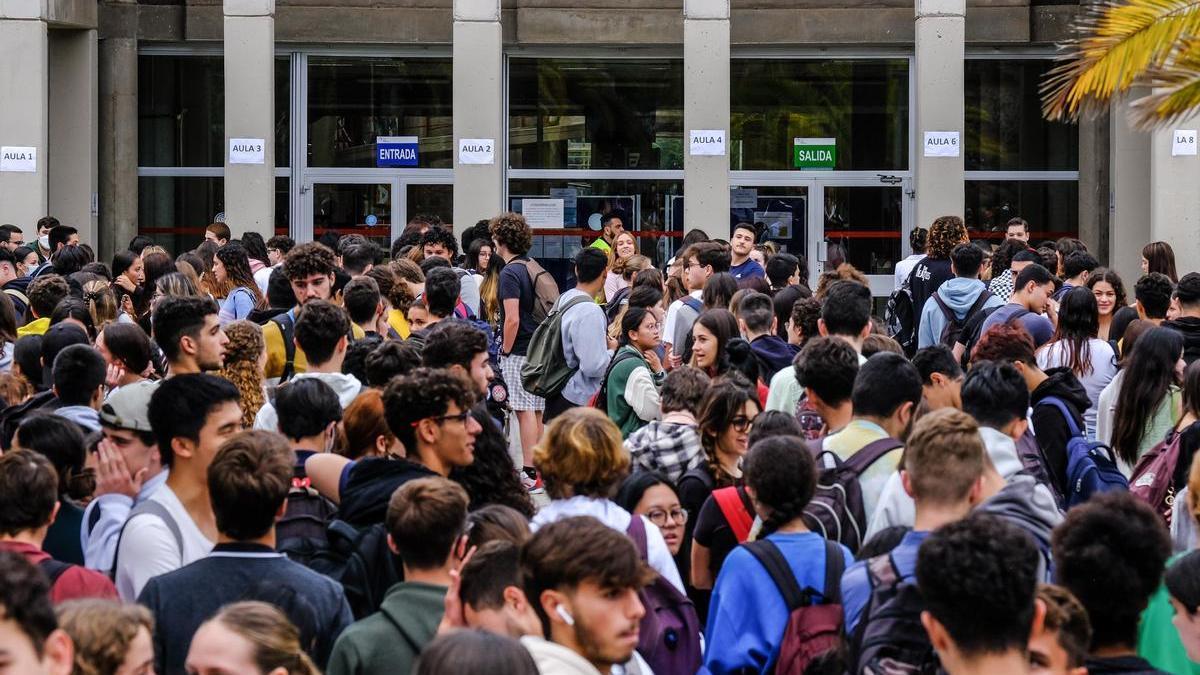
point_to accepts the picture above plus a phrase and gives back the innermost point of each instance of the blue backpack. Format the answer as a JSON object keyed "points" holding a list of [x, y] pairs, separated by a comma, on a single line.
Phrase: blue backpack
{"points": [[1091, 465]]}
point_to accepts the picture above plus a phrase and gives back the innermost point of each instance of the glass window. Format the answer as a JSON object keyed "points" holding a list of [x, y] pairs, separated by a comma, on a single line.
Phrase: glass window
{"points": [[352, 101], [862, 227], [595, 114], [430, 200], [353, 208], [1005, 130], [174, 210], [1051, 207], [861, 104], [181, 110]]}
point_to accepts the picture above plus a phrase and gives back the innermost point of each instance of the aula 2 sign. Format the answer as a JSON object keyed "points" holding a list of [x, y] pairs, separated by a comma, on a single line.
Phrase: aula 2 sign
{"points": [[393, 151]]}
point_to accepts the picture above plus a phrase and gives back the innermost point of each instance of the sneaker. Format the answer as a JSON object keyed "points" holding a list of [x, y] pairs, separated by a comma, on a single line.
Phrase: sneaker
{"points": [[531, 480]]}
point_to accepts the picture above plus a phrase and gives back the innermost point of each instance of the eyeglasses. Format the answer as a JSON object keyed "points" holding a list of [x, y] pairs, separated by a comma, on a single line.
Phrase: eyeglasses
{"points": [[439, 419], [690, 265], [741, 423], [659, 517]]}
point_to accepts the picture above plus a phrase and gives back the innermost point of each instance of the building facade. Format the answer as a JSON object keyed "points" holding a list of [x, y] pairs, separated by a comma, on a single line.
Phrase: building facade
{"points": [[839, 126]]}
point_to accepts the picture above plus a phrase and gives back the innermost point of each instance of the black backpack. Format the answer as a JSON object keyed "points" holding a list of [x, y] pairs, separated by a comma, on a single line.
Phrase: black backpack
{"points": [[358, 558], [307, 516], [836, 510], [600, 400], [889, 638], [953, 328], [899, 319], [972, 330]]}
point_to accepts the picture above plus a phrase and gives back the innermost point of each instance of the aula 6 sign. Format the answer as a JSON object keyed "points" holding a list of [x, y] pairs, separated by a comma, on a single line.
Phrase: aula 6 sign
{"points": [[395, 151]]}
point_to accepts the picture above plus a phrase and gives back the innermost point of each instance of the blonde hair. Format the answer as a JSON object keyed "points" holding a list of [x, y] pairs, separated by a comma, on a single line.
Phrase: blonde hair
{"points": [[102, 631], [844, 272], [101, 303], [627, 267], [581, 454], [276, 642], [245, 346], [944, 456]]}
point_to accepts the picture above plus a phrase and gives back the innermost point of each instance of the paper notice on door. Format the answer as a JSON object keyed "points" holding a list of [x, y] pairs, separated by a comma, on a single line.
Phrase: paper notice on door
{"points": [[543, 213]]}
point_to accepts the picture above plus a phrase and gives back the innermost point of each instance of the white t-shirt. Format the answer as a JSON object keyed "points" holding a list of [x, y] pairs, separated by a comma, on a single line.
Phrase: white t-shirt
{"points": [[1104, 369], [263, 277], [148, 548], [668, 331]]}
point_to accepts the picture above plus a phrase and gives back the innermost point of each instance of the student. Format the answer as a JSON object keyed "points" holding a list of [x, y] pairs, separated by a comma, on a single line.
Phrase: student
{"points": [[191, 415], [357, 259], [425, 519], [653, 495], [490, 593], [1110, 552], [1077, 267], [475, 651], [583, 578], [1075, 345], [45, 293], [712, 332], [748, 614], [1017, 228], [364, 305], [826, 369], [231, 266], [28, 505], [1012, 257], [671, 445], [789, 283], [631, 391], [1152, 294], [517, 295], [941, 377], [846, 314], [79, 373], [321, 328], [60, 441], [129, 469], [309, 412], [438, 300], [979, 585], [580, 487], [249, 638], [1109, 290], [1187, 321], [756, 319], [1169, 630], [1061, 646], [109, 637], [125, 346], [1030, 299], [929, 274], [461, 348], [917, 240], [699, 263], [190, 335], [741, 243], [1149, 402], [1159, 258], [956, 300], [584, 335], [248, 484], [218, 233], [277, 249], [30, 638], [612, 224]]}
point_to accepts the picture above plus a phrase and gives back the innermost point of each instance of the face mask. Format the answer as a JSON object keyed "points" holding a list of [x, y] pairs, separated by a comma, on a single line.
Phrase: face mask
{"points": [[44, 241]]}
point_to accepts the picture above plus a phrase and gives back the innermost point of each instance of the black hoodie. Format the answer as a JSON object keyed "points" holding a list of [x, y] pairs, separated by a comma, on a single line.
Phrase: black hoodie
{"points": [[369, 487], [1049, 426], [1189, 328]]}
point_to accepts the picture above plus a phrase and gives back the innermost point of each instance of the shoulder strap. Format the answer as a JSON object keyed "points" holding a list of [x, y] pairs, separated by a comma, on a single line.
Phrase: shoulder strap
{"points": [[1066, 412], [577, 300], [769, 555], [1017, 315], [287, 329], [637, 532], [946, 311], [18, 295], [835, 565], [154, 508], [980, 301], [53, 569], [734, 510], [871, 453], [695, 304]]}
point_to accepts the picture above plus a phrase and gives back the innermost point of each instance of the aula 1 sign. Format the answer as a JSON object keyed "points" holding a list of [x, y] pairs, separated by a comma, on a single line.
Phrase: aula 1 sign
{"points": [[393, 151]]}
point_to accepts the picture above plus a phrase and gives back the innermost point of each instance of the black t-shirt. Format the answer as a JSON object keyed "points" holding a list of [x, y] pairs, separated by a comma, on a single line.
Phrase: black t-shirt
{"points": [[927, 276], [714, 532], [515, 283]]}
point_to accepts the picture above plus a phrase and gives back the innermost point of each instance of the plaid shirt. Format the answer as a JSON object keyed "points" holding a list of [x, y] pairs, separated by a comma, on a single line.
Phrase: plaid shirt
{"points": [[671, 447], [1002, 286]]}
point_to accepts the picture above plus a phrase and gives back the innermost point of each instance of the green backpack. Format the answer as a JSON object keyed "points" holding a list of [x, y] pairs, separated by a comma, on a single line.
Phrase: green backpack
{"points": [[546, 372]]}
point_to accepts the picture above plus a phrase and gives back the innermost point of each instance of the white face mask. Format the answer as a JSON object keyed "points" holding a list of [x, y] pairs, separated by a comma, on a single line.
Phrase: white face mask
{"points": [[44, 241]]}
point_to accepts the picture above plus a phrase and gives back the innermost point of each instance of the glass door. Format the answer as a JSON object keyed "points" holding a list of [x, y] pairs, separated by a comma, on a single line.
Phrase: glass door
{"points": [[349, 205], [779, 212], [866, 223]]}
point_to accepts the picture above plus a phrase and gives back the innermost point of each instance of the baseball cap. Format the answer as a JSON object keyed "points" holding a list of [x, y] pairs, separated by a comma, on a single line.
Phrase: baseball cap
{"points": [[128, 407]]}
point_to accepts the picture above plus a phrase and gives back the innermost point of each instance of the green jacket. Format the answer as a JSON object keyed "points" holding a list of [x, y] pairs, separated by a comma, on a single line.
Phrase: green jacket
{"points": [[619, 410], [390, 640], [1158, 641]]}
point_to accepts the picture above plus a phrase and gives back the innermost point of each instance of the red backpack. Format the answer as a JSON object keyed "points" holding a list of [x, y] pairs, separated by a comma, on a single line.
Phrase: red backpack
{"points": [[737, 512], [1154, 476], [812, 629]]}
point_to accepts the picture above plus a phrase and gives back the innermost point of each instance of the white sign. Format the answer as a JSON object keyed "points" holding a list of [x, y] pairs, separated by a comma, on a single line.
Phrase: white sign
{"points": [[1183, 142], [478, 151], [543, 213], [941, 144], [569, 196], [247, 151], [710, 142], [743, 198], [17, 158]]}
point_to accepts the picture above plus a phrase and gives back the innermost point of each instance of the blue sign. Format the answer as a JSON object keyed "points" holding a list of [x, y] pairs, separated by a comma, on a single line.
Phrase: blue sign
{"points": [[372, 221], [393, 151]]}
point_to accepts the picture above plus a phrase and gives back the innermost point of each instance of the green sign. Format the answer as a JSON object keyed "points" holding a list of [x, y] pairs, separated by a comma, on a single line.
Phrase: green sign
{"points": [[814, 153]]}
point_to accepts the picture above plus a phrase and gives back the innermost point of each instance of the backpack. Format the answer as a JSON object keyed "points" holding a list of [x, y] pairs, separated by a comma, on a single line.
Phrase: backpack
{"points": [[613, 305], [287, 329], [735, 507], [693, 303], [899, 319], [889, 638], [953, 328], [836, 510], [546, 372], [669, 634], [358, 558], [53, 569], [307, 515], [600, 400], [812, 629], [811, 422], [1034, 464], [545, 288], [1153, 478], [1091, 465], [972, 330]]}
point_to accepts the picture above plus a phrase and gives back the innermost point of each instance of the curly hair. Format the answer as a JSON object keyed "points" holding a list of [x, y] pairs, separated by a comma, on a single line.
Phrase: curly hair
{"points": [[490, 479], [241, 366], [581, 454], [308, 259], [721, 404], [945, 233], [1105, 275], [1002, 259], [102, 632], [511, 231], [1005, 342], [783, 476], [421, 394]]}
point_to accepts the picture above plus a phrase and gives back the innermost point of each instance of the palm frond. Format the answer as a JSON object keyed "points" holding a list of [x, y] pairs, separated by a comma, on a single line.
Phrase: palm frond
{"points": [[1176, 89], [1118, 44]]}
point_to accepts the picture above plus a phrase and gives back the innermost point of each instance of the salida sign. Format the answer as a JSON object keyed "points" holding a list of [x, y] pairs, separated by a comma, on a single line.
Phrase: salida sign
{"points": [[391, 151], [814, 153]]}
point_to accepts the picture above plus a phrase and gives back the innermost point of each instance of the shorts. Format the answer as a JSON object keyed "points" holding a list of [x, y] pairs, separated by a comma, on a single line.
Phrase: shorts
{"points": [[518, 398]]}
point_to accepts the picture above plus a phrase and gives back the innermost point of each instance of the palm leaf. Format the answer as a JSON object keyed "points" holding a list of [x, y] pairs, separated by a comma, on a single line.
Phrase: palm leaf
{"points": [[1176, 89], [1118, 44]]}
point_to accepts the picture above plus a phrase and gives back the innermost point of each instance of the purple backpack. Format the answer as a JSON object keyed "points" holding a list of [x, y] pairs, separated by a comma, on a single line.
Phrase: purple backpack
{"points": [[669, 635]]}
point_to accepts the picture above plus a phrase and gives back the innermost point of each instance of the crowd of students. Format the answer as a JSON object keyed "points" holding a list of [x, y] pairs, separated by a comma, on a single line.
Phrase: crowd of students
{"points": [[270, 457]]}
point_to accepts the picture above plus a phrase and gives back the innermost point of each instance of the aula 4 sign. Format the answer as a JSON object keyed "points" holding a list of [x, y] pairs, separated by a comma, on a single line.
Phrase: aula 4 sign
{"points": [[393, 151]]}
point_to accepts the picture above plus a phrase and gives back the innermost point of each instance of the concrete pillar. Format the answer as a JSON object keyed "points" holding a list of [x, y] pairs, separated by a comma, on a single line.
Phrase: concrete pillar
{"points": [[24, 120], [706, 107], [250, 115], [1094, 184], [1174, 198], [73, 131], [1129, 166], [118, 141], [478, 111], [940, 82]]}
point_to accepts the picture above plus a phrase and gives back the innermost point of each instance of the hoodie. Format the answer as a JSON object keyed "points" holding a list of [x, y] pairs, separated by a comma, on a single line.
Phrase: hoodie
{"points": [[773, 355], [347, 388], [85, 416], [960, 295], [1189, 327], [390, 640], [1030, 506], [369, 484], [1051, 430]]}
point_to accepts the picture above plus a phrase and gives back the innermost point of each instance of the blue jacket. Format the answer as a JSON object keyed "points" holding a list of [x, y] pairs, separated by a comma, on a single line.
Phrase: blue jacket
{"points": [[958, 294]]}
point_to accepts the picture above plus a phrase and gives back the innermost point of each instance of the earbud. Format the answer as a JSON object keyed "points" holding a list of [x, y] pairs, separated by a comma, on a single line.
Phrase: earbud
{"points": [[565, 615]]}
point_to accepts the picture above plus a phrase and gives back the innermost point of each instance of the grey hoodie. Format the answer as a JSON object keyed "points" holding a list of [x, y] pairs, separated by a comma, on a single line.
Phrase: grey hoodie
{"points": [[347, 388], [1030, 506]]}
